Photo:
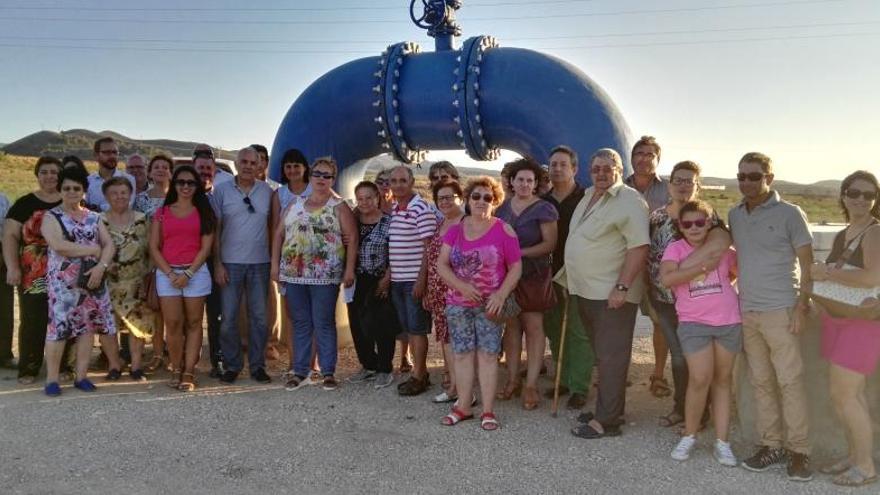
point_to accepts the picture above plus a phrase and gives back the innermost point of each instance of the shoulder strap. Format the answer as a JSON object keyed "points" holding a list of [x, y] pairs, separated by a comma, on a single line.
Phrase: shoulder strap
{"points": [[64, 230], [852, 246]]}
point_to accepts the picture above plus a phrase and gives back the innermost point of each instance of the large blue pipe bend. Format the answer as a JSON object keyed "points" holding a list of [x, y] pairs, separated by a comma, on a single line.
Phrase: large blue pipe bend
{"points": [[480, 99]]}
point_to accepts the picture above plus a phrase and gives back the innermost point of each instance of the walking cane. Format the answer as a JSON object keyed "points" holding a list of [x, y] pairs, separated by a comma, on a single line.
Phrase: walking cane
{"points": [[555, 407]]}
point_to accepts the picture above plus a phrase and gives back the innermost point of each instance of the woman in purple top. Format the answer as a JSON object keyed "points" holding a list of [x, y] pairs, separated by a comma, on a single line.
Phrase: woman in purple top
{"points": [[852, 345], [480, 263], [534, 221]]}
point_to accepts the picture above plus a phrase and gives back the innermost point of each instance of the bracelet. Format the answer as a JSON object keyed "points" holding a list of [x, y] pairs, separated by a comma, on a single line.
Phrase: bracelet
{"points": [[188, 273]]}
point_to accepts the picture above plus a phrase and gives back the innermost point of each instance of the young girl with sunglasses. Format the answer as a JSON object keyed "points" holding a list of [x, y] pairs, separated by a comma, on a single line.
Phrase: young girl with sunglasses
{"points": [[709, 330]]}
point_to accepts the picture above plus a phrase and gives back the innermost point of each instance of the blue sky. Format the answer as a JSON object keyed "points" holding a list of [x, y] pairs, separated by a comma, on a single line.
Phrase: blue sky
{"points": [[711, 79]]}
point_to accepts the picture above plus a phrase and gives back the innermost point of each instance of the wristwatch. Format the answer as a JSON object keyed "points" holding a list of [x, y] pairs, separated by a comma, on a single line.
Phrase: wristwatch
{"points": [[105, 265], [621, 288]]}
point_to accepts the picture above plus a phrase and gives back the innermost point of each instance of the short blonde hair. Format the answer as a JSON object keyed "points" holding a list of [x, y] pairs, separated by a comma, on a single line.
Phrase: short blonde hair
{"points": [[488, 183], [325, 160]]}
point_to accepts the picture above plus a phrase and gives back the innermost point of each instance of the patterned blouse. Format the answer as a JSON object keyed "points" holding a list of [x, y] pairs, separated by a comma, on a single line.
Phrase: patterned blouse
{"points": [[373, 247], [663, 233], [312, 252], [147, 205]]}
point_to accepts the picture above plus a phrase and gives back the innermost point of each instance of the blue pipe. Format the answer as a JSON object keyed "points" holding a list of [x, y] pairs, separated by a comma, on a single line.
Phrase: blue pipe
{"points": [[480, 98]]}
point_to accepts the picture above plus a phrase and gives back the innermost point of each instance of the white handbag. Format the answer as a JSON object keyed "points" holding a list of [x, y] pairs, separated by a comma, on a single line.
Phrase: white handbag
{"points": [[843, 300]]}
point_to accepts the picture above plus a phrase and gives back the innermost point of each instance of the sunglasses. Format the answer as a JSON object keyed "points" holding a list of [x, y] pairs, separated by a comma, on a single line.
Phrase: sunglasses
{"points": [[322, 175], [435, 178], [185, 183], [751, 176], [72, 189], [678, 181], [382, 182], [866, 195], [485, 197], [686, 224], [250, 205]]}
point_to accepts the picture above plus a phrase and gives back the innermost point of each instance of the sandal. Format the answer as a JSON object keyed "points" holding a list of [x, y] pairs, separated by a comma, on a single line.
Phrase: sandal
{"points": [[155, 363], [454, 417], [659, 387], [174, 381], [853, 477], [489, 422], [511, 389], [531, 399], [836, 468], [444, 398], [671, 419], [187, 382]]}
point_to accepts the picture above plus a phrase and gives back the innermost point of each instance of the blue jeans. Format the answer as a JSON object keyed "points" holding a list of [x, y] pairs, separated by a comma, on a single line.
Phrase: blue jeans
{"points": [[251, 280], [413, 317], [313, 311], [668, 320]]}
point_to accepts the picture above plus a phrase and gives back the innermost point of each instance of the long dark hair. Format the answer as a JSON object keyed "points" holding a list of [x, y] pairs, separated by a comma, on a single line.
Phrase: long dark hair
{"points": [[844, 186], [200, 200], [294, 155]]}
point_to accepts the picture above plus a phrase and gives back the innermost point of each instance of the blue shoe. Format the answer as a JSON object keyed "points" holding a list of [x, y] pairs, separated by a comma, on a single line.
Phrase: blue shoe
{"points": [[85, 385], [52, 389]]}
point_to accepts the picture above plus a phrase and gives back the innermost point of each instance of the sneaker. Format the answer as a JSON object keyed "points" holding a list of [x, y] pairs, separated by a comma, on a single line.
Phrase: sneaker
{"points": [[229, 376], [297, 382], [27, 380], [764, 458], [330, 383], [682, 451], [216, 371], [383, 380], [137, 375], [261, 376], [723, 454], [799, 467], [362, 376], [113, 375], [52, 389], [85, 385]]}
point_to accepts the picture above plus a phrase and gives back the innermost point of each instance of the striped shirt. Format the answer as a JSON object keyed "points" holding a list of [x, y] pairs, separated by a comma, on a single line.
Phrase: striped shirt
{"points": [[410, 227]]}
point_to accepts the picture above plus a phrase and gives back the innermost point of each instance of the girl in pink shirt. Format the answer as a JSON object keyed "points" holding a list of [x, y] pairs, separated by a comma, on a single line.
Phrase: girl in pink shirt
{"points": [[710, 328]]}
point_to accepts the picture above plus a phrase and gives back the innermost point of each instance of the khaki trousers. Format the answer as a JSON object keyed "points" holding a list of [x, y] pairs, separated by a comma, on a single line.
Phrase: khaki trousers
{"points": [[776, 371]]}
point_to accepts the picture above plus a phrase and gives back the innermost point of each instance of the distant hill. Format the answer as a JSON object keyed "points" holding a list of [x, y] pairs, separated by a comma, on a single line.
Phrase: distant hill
{"points": [[79, 142]]}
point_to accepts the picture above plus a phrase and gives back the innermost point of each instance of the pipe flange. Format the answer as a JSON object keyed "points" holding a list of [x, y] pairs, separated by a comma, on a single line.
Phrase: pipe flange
{"points": [[387, 87], [466, 98]]}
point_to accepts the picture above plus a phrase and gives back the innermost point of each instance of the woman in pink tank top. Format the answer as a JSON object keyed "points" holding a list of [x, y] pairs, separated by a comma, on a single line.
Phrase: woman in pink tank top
{"points": [[180, 242]]}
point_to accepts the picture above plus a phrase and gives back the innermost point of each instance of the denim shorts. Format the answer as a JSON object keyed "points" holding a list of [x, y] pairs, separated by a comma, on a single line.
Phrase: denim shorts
{"points": [[413, 317], [694, 337], [199, 285], [470, 328]]}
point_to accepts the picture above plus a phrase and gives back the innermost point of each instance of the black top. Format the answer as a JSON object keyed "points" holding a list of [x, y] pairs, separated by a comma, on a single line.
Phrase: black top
{"points": [[856, 259], [566, 210]]}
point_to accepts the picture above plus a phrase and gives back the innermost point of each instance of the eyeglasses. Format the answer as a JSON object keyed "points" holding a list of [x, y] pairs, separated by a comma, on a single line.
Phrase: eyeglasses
{"points": [[485, 197], [751, 176], [72, 189], [686, 224], [203, 154], [866, 195], [678, 181], [602, 170], [322, 175], [185, 183], [449, 197], [247, 201]]}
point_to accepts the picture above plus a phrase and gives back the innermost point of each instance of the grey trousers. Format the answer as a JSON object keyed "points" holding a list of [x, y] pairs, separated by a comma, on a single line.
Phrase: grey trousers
{"points": [[611, 333]]}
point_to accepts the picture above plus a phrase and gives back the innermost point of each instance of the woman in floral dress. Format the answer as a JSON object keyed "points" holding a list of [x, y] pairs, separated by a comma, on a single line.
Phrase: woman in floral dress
{"points": [[311, 260], [448, 198], [130, 233], [80, 251]]}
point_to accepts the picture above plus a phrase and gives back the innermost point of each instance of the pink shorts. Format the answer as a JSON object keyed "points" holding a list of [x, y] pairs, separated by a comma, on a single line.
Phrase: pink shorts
{"points": [[851, 344]]}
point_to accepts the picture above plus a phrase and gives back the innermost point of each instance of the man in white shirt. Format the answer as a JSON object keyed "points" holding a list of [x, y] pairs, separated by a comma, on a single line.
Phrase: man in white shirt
{"points": [[106, 154]]}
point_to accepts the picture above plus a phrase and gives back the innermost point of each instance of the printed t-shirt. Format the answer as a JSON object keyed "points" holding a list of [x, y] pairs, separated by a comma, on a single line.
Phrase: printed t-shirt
{"points": [[710, 298], [482, 262]]}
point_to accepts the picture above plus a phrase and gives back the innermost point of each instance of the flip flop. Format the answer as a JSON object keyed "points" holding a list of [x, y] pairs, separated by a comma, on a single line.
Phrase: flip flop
{"points": [[836, 468], [853, 477], [455, 417], [489, 422], [659, 387]]}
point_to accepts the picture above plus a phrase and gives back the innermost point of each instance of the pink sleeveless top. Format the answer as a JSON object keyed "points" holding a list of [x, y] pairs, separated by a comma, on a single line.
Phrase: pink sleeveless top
{"points": [[181, 237]]}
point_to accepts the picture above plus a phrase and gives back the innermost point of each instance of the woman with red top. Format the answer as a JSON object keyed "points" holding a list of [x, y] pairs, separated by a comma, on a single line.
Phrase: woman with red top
{"points": [[180, 242]]}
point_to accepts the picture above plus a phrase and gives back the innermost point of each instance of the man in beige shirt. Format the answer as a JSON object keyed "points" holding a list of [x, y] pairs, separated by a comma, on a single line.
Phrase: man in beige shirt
{"points": [[605, 254]]}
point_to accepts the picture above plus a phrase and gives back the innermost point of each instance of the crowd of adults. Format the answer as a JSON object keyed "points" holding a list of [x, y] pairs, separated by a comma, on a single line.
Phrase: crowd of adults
{"points": [[486, 265]]}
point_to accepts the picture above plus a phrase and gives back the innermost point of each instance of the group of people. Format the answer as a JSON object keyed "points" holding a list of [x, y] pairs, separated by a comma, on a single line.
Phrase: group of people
{"points": [[485, 265]]}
